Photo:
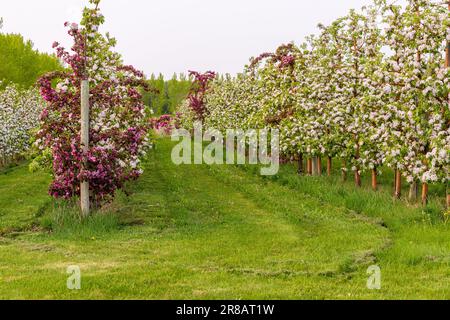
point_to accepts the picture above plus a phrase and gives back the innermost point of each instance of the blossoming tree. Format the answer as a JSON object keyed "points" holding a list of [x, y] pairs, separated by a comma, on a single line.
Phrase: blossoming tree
{"points": [[19, 115], [416, 88], [118, 122]]}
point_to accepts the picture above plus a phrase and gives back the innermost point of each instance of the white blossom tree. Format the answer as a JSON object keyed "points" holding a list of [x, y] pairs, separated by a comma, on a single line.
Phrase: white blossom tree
{"points": [[19, 115]]}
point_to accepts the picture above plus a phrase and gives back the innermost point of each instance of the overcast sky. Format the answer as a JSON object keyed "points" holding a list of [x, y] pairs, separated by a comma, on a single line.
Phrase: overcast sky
{"points": [[170, 36]]}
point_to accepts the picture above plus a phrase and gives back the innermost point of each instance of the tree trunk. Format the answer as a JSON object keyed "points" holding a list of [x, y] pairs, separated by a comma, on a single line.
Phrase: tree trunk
{"points": [[424, 194], [301, 169], [329, 163], [395, 183], [374, 180], [357, 156], [398, 184], [344, 170], [413, 192], [358, 178], [309, 166], [448, 200], [448, 196]]}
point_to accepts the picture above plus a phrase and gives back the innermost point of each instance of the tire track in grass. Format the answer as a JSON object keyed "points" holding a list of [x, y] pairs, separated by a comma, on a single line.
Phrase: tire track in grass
{"points": [[292, 232], [300, 208]]}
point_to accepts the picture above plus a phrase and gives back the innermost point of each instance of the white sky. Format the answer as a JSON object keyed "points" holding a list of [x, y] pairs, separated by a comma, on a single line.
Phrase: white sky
{"points": [[170, 36]]}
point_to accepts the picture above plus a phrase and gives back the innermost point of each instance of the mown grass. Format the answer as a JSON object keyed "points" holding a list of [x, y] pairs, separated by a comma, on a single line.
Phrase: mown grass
{"points": [[23, 197], [223, 232]]}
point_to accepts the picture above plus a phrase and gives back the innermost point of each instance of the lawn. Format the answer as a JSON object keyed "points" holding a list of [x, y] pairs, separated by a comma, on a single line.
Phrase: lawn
{"points": [[221, 232]]}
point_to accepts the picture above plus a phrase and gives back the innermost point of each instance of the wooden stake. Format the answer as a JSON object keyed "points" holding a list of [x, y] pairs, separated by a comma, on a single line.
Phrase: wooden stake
{"points": [[413, 191], [314, 166], [374, 180], [309, 166], [447, 65], [424, 194], [398, 184], [84, 186]]}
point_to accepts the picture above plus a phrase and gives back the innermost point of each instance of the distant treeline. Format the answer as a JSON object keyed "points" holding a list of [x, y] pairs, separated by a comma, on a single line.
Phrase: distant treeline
{"points": [[20, 63], [171, 93]]}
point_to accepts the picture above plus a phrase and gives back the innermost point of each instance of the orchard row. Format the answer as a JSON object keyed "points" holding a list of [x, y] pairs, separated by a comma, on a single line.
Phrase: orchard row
{"points": [[371, 89]]}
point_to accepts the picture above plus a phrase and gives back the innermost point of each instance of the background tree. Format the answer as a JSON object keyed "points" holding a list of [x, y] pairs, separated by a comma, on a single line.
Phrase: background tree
{"points": [[168, 95], [165, 108], [20, 64]]}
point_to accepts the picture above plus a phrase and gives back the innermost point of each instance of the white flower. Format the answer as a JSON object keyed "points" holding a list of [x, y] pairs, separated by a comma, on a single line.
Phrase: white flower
{"points": [[121, 163], [387, 89]]}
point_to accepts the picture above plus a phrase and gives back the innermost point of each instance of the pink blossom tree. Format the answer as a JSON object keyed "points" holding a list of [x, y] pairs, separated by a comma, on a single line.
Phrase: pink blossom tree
{"points": [[118, 121]]}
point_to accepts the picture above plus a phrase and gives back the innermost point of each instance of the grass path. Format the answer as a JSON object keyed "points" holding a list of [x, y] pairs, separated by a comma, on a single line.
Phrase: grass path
{"points": [[200, 232]]}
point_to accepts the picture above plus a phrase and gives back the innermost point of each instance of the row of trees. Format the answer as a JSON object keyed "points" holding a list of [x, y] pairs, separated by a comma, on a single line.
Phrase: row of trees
{"points": [[371, 89], [168, 94]]}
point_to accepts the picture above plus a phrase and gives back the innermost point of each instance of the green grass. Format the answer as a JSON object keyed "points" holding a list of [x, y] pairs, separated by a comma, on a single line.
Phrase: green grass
{"points": [[23, 197], [222, 232]]}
